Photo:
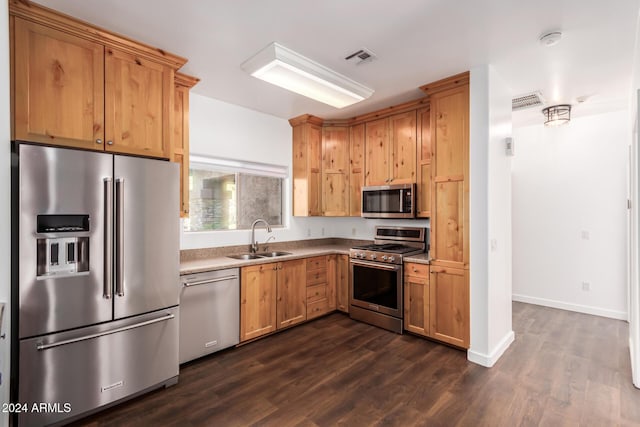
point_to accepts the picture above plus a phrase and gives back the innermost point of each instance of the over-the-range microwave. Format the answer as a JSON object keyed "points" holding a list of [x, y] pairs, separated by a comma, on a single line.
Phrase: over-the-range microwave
{"points": [[389, 201]]}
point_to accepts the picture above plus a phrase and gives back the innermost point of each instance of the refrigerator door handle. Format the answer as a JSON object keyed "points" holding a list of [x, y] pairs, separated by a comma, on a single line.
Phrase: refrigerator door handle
{"points": [[108, 238], [41, 347], [120, 237]]}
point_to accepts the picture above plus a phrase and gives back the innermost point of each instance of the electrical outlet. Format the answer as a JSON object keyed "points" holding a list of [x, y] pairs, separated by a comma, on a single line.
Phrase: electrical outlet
{"points": [[353, 231], [586, 286], [494, 245], [322, 231], [308, 232], [585, 235]]}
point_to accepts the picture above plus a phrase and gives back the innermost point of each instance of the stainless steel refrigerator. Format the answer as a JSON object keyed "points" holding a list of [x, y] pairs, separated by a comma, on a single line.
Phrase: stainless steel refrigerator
{"points": [[95, 274]]}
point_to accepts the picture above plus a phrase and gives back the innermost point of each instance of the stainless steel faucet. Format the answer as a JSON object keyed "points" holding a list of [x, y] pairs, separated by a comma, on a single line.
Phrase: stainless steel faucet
{"points": [[254, 243]]}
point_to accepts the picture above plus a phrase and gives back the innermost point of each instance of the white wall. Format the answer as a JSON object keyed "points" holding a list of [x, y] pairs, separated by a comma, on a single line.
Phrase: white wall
{"points": [[229, 131], [490, 217], [5, 214], [569, 214], [633, 283]]}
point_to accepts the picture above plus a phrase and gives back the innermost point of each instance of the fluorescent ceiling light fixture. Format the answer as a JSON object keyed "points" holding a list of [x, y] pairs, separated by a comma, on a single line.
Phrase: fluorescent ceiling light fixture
{"points": [[283, 67]]}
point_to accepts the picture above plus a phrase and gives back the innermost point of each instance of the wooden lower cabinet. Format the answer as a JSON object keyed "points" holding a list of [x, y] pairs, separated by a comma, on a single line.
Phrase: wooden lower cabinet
{"points": [[341, 277], [319, 291], [272, 296], [291, 293], [416, 298], [449, 305], [258, 300]]}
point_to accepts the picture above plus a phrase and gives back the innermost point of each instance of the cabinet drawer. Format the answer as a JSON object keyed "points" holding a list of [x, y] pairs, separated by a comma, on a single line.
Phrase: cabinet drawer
{"points": [[316, 293], [316, 277], [316, 262], [318, 308], [413, 269]]}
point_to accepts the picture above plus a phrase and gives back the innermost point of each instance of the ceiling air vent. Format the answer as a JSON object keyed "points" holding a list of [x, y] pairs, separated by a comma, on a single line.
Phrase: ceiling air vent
{"points": [[361, 56], [528, 100]]}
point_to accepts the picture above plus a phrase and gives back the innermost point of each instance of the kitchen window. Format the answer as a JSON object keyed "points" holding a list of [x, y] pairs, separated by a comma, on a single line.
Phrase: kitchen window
{"points": [[229, 194]]}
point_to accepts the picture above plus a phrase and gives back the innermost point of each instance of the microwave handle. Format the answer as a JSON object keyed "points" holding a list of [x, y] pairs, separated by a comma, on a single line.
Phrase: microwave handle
{"points": [[401, 201]]}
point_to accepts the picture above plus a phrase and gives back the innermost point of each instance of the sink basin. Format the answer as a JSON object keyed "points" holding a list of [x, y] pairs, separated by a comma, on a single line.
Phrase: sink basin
{"points": [[245, 256], [273, 254]]}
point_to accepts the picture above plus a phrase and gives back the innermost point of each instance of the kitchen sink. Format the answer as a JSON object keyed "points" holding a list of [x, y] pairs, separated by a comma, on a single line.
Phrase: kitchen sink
{"points": [[245, 256], [273, 254]]}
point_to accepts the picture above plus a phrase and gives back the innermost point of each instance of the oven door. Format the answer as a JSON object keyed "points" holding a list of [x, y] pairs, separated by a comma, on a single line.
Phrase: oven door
{"points": [[376, 287]]}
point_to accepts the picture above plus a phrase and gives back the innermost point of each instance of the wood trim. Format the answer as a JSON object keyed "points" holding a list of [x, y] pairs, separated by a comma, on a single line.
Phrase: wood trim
{"points": [[185, 80], [306, 118], [446, 83], [381, 114], [68, 24]]}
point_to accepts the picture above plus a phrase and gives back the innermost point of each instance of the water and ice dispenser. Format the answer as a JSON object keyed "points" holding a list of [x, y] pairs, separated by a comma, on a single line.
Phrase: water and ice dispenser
{"points": [[64, 248]]}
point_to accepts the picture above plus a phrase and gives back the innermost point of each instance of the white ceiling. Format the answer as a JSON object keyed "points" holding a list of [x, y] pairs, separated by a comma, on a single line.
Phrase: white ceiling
{"points": [[416, 41]]}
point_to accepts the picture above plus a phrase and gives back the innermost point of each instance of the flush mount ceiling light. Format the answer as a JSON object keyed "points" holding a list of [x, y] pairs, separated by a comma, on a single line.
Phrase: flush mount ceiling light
{"points": [[557, 115], [283, 67], [550, 39]]}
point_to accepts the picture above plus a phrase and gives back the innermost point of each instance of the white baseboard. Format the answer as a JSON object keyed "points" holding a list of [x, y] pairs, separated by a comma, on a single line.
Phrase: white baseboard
{"points": [[587, 309], [634, 368], [488, 360]]}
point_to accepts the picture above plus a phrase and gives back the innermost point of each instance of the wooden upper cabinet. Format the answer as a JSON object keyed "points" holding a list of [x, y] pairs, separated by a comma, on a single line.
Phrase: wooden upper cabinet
{"points": [[139, 105], [403, 148], [356, 168], [335, 171], [58, 87], [180, 142], [307, 166], [450, 169], [391, 150], [377, 149], [77, 85], [423, 199]]}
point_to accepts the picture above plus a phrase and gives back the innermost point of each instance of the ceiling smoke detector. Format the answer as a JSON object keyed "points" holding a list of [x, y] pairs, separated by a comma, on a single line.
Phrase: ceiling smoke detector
{"points": [[550, 39], [528, 100], [361, 56]]}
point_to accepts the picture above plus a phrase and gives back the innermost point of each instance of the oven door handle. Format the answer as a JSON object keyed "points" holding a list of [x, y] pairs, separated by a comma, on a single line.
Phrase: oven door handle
{"points": [[377, 265]]}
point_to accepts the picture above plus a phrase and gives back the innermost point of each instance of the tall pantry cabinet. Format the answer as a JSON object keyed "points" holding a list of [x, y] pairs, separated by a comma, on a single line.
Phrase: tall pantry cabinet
{"points": [[449, 270]]}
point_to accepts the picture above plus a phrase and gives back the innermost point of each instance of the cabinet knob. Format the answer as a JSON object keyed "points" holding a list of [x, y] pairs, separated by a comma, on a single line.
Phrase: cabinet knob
{"points": [[109, 142], [98, 141]]}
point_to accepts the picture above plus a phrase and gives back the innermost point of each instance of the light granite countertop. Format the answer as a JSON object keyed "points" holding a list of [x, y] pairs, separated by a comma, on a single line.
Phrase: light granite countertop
{"points": [[199, 261], [222, 262]]}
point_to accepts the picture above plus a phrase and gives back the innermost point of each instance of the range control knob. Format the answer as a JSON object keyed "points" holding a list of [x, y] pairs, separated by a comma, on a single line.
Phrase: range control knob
{"points": [[360, 255], [384, 257], [374, 256], [392, 259]]}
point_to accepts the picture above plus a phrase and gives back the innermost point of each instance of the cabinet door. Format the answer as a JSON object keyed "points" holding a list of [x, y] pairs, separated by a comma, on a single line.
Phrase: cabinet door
{"points": [[416, 302], [449, 305], [139, 105], [448, 237], [180, 149], [292, 293], [356, 171], [314, 136], [402, 129], [335, 171], [377, 152], [423, 198], [58, 87], [342, 283], [257, 300]]}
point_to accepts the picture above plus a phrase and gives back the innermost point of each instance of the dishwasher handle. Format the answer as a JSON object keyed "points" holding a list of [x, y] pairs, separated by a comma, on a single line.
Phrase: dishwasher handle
{"points": [[188, 284]]}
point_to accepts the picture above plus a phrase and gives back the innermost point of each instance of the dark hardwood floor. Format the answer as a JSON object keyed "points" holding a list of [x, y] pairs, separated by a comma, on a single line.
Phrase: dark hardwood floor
{"points": [[564, 368]]}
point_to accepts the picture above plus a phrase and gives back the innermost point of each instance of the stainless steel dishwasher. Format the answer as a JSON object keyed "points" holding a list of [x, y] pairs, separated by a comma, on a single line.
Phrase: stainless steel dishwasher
{"points": [[209, 312]]}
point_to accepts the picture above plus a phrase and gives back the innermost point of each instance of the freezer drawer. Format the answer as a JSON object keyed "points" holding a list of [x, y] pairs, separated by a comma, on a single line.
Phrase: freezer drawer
{"points": [[91, 367], [210, 313]]}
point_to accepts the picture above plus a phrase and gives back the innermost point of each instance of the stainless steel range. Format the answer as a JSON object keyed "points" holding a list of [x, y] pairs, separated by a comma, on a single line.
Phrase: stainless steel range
{"points": [[377, 274]]}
